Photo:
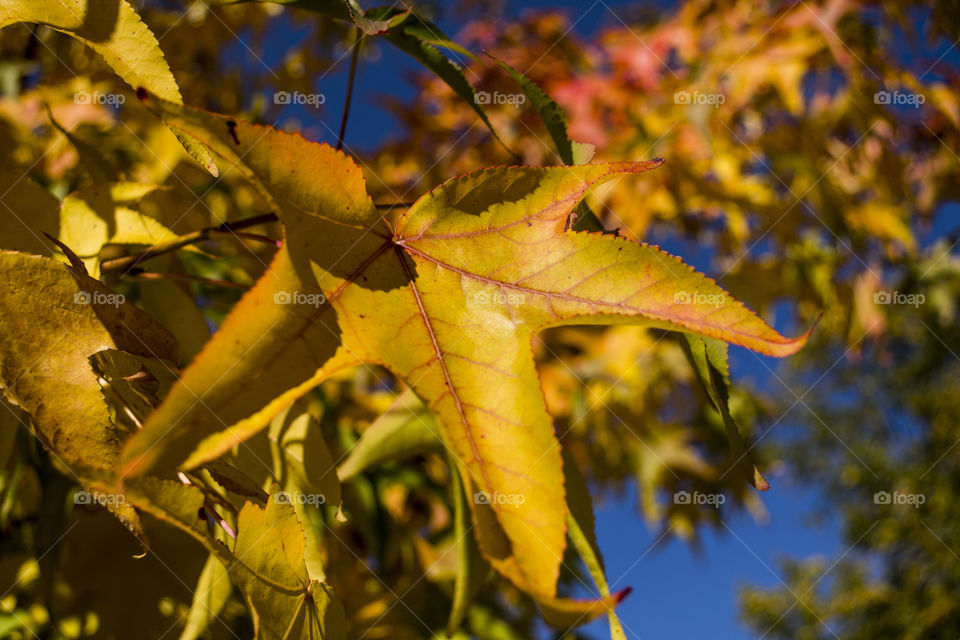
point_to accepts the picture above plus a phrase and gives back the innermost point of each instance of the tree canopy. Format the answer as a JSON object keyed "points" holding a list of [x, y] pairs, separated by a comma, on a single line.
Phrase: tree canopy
{"points": [[260, 385]]}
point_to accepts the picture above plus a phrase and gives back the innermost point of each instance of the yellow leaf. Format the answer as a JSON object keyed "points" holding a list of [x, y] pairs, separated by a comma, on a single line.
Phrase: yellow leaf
{"points": [[114, 30], [85, 221], [44, 359], [449, 300], [885, 221], [95, 216], [269, 568]]}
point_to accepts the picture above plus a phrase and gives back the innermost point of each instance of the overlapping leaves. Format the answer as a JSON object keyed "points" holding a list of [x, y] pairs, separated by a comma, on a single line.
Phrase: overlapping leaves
{"points": [[54, 318], [115, 31], [448, 299], [86, 220]]}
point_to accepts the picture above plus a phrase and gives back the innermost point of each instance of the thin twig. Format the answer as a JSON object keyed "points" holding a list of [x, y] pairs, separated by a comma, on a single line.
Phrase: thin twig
{"points": [[355, 55], [394, 205], [136, 274], [214, 518], [127, 263], [253, 237], [227, 228]]}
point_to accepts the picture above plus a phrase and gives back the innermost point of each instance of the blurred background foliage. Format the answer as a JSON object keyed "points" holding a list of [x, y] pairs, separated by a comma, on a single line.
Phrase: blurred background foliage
{"points": [[803, 191]]}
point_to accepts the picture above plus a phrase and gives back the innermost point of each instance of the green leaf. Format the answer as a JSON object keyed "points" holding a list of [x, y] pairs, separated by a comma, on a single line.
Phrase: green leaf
{"points": [[407, 37], [210, 596], [302, 460], [17, 619], [347, 10], [235, 481], [416, 36], [581, 531], [710, 361], [571, 153], [266, 563], [550, 112], [472, 571], [424, 30], [405, 429], [290, 457], [583, 152]]}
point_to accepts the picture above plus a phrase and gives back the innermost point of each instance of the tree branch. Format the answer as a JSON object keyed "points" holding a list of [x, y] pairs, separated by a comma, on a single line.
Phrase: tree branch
{"points": [[232, 229], [355, 55], [227, 228]]}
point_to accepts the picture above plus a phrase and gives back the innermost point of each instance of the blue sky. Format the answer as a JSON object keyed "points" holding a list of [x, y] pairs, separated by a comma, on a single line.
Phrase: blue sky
{"points": [[676, 594]]}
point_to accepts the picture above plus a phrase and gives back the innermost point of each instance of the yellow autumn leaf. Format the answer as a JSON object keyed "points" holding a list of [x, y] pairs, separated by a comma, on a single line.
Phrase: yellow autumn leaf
{"points": [[45, 365], [449, 300], [86, 220], [115, 31]]}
